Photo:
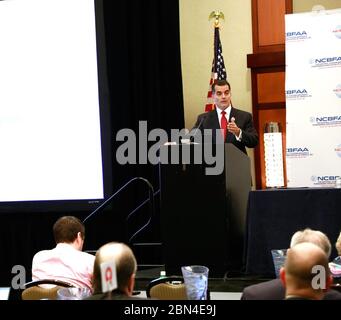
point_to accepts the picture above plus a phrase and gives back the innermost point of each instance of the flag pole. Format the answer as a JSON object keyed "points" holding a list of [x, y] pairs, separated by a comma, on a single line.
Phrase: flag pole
{"points": [[218, 70]]}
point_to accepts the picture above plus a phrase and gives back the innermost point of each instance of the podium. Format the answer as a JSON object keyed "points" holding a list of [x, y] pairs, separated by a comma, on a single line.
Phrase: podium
{"points": [[203, 216]]}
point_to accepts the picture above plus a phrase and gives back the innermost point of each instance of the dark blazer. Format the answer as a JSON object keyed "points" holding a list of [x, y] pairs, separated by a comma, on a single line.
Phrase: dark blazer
{"points": [[243, 119], [274, 290]]}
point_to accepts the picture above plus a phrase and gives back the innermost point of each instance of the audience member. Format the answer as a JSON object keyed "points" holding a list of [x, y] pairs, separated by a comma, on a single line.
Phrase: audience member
{"points": [[338, 245], [66, 262], [305, 274], [335, 265], [273, 289], [312, 236], [126, 266]]}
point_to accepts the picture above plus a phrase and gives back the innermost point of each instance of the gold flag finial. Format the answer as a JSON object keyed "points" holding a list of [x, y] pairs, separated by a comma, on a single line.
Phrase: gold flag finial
{"points": [[216, 15]]}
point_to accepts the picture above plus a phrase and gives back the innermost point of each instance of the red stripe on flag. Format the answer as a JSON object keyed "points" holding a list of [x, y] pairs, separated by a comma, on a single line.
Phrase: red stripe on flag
{"points": [[209, 107]]}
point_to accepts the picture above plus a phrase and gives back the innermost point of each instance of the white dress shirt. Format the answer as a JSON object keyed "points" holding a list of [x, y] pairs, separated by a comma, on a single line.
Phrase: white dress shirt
{"points": [[227, 115]]}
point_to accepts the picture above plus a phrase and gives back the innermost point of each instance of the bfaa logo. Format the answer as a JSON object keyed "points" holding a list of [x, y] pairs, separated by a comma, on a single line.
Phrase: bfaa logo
{"points": [[297, 35], [298, 152], [337, 90], [296, 91], [338, 150], [295, 94], [337, 32]]}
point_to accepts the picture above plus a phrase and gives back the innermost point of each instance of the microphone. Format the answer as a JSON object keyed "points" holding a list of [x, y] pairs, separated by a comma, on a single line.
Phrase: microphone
{"points": [[203, 118]]}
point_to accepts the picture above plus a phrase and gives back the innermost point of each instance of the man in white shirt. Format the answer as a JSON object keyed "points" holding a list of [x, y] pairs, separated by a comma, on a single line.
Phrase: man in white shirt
{"points": [[66, 262]]}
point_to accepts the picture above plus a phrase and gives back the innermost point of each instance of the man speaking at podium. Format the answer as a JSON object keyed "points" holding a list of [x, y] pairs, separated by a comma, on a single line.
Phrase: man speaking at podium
{"points": [[236, 125]]}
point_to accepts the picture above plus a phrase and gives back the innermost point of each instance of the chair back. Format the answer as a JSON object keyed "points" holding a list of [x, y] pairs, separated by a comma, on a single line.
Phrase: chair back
{"points": [[167, 288], [39, 293], [34, 291]]}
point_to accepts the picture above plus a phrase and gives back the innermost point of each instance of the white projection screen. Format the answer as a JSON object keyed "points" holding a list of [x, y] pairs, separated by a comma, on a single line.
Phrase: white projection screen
{"points": [[51, 146]]}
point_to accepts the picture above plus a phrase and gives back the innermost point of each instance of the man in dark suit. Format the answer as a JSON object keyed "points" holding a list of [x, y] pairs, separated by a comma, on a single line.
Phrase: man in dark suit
{"points": [[235, 126], [274, 289]]}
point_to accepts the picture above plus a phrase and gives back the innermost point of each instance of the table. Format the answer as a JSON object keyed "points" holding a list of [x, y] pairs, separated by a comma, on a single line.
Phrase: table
{"points": [[274, 215]]}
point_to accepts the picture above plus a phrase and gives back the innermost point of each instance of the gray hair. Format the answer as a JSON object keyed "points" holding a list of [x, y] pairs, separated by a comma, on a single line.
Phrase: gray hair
{"points": [[313, 236], [338, 245]]}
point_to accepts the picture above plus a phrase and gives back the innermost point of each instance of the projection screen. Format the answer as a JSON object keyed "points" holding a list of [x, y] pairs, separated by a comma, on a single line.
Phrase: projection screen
{"points": [[52, 139]]}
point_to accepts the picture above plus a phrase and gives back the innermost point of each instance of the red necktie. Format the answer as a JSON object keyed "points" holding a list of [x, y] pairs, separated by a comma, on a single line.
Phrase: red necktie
{"points": [[223, 124]]}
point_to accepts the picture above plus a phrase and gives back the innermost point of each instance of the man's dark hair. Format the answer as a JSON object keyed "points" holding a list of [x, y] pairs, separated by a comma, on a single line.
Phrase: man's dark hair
{"points": [[222, 82], [66, 229]]}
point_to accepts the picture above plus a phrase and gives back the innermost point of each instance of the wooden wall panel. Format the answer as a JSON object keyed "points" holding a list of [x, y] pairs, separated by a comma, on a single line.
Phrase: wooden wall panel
{"points": [[271, 87], [267, 63], [265, 116], [268, 25], [271, 22]]}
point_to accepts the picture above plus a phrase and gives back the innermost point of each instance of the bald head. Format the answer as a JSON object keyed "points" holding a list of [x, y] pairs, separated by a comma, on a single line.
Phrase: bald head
{"points": [[303, 263], [125, 262], [302, 258]]}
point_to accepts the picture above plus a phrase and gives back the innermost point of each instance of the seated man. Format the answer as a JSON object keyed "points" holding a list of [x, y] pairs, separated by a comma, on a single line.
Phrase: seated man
{"points": [[306, 274], [273, 289], [66, 262], [126, 266]]}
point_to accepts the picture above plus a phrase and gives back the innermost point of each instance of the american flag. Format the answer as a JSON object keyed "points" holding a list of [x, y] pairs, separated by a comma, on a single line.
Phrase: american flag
{"points": [[218, 68]]}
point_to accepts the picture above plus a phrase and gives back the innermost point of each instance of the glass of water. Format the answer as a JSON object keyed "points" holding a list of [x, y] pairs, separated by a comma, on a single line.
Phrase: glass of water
{"points": [[73, 293], [196, 282]]}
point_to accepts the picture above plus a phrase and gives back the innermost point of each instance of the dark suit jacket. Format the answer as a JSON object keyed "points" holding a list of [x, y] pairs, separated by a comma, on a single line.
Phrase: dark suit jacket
{"points": [[274, 290], [243, 119]]}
